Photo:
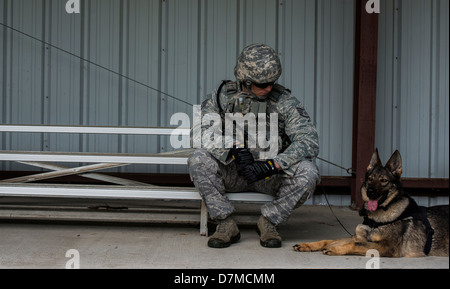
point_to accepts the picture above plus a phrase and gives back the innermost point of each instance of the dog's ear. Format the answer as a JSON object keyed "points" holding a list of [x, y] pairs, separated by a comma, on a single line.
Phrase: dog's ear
{"points": [[374, 161], [394, 164]]}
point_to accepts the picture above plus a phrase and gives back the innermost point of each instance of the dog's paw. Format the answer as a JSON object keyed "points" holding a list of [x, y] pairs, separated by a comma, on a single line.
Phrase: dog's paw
{"points": [[328, 252], [333, 251], [302, 247]]}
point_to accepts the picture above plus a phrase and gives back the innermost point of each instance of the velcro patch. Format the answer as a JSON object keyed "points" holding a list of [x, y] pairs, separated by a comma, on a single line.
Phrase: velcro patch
{"points": [[302, 112]]}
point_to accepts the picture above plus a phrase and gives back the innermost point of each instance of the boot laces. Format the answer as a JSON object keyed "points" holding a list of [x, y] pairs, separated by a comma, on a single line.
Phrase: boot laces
{"points": [[222, 227], [270, 228]]}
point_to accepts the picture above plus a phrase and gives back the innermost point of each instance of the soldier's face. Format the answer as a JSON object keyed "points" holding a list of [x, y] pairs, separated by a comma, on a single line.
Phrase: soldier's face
{"points": [[261, 91]]}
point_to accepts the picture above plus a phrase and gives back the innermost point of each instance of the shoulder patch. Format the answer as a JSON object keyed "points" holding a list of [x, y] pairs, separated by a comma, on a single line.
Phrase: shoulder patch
{"points": [[302, 112]]}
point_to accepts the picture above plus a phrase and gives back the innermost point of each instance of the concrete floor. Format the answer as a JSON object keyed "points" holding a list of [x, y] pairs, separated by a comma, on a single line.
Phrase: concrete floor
{"points": [[137, 245]]}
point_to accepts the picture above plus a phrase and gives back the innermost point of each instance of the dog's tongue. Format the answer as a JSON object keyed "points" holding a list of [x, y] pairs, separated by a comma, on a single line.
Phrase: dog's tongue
{"points": [[372, 205]]}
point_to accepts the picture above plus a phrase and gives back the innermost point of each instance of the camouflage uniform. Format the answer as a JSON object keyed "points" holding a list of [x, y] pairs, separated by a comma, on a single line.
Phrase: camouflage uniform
{"points": [[214, 172]]}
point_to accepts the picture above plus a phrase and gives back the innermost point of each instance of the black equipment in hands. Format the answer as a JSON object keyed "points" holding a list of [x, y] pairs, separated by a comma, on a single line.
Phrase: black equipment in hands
{"points": [[242, 156], [259, 170]]}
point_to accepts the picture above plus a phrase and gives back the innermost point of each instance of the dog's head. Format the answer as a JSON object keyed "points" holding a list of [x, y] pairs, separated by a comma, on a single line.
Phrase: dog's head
{"points": [[381, 184]]}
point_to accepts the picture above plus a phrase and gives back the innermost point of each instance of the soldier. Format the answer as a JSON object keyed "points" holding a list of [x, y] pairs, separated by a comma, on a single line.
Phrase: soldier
{"points": [[290, 175]]}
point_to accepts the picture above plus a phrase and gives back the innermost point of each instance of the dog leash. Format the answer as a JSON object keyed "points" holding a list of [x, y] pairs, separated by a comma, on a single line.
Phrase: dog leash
{"points": [[349, 171], [337, 219]]}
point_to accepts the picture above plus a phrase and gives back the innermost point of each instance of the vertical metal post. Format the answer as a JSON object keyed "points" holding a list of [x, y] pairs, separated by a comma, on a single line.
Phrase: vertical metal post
{"points": [[364, 104], [203, 220]]}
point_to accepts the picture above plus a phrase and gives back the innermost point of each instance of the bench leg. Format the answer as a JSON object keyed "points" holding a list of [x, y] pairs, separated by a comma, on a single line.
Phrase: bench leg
{"points": [[203, 220]]}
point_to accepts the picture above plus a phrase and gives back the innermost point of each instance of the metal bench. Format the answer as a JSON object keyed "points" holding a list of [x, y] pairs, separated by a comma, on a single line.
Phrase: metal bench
{"points": [[122, 188]]}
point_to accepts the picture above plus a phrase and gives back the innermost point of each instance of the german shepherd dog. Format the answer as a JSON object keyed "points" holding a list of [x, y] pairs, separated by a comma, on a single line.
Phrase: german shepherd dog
{"points": [[393, 222]]}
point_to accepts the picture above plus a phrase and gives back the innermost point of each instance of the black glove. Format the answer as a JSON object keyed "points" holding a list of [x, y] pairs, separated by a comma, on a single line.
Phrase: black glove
{"points": [[259, 170], [242, 156]]}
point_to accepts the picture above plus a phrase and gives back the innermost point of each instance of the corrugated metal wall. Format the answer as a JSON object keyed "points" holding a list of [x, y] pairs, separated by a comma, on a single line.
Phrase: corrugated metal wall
{"points": [[413, 86], [185, 48]]}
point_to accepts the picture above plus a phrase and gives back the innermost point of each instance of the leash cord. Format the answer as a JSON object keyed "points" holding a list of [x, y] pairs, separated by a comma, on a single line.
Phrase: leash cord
{"points": [[349, 171], [337, 219], [93, 63]]}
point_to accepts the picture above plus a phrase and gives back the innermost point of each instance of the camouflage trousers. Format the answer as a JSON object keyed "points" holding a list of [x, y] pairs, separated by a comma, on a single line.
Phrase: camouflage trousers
{"points": [[213, 179]]}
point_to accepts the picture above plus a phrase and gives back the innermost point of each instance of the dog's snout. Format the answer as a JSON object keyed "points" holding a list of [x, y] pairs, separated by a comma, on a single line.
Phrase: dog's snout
{"points": [[371, 193]]}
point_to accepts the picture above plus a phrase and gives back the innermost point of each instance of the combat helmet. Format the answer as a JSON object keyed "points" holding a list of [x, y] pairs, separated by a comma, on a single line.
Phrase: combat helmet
{"points": [[258, 63]]}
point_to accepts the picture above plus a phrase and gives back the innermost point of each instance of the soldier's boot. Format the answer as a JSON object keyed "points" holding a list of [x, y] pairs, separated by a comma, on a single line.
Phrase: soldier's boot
{"points": [[226, 234], [268, 234]]}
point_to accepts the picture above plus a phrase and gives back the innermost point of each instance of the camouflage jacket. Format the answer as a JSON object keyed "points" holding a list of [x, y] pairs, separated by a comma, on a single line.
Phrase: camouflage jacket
{"points": [[297, 135]]}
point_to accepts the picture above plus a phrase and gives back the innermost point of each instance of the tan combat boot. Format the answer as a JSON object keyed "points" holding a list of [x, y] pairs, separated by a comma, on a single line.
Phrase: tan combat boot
{"points": [[268, 234], [226, 233]]}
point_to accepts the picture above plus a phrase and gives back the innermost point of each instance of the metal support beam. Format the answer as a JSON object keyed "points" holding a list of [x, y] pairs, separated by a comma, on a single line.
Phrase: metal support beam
{"points": [[94, 129], [92, 157], [95, 176], [61, 173], [364, 96], [119, 192]]}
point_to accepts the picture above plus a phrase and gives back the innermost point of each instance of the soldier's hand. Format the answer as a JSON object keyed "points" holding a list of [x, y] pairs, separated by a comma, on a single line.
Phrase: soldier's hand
{"points": [[242, 156], [259, 170]]}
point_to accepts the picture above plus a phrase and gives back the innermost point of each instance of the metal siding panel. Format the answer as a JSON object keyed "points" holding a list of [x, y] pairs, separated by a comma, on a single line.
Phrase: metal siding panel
{"points": [[260, 19], [412, 93], [142, 62], [334, 83], [191, 46], [103, 97], [62, 91], [181, 76], [5, 74], [298, 55], [26, 64], [387, 62], [24, 99], [439, 166], [3, 63], [219, 39], [414, 97], [182, 53]]}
